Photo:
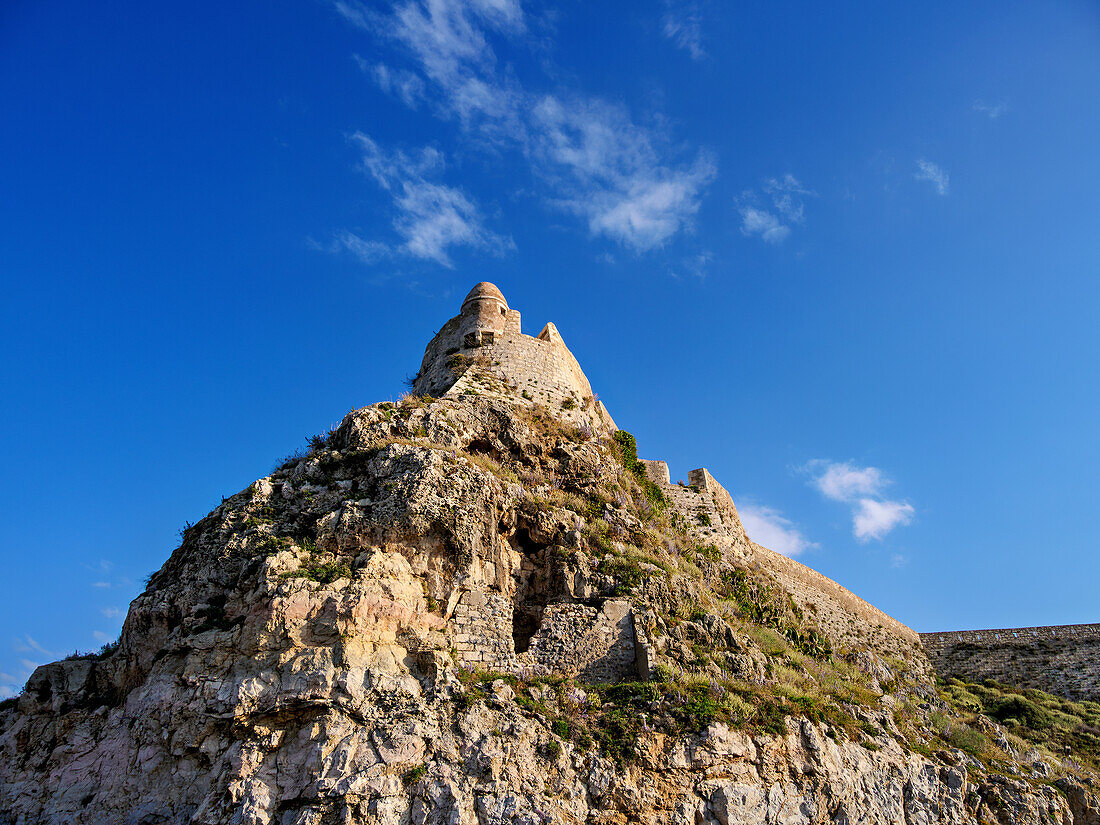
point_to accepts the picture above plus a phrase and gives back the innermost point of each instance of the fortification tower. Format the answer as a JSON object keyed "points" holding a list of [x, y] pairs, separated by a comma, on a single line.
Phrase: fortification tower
{"points": [[486, 316], [483, 346]]}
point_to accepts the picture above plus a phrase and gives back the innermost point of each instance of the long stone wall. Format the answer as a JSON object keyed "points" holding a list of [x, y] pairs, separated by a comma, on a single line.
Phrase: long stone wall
{"points": [[1063, 660], [847, 619]]}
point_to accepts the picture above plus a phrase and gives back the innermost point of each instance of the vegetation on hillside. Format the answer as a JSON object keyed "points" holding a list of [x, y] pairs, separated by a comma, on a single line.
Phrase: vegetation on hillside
{"points": [[1058, 728]]}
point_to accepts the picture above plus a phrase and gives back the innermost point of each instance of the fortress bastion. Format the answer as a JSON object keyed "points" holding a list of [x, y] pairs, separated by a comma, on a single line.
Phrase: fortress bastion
{"points": [[486, 334], [483, 352]]}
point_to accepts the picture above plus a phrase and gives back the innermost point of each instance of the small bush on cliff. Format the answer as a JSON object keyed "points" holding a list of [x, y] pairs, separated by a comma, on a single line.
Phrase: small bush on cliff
{"points": [[761, 604], [960, 735], [319, 569], [626, 449]]}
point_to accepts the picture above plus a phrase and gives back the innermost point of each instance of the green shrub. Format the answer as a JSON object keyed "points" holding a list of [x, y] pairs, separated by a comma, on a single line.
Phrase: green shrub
{"points": [[663, 673], [323, 572], [709, 552], [624, 570], [1015, 706], [627, 449], [967, 739]]}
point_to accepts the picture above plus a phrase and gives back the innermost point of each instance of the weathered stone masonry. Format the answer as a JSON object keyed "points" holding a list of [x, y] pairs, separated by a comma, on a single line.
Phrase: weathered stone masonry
{"points": [[1064, 659], [597, 644], [482, 352], [486, 333]]}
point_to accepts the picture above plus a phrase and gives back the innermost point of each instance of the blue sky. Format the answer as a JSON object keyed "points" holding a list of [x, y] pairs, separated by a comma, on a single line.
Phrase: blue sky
{"points": [[843, 255]]}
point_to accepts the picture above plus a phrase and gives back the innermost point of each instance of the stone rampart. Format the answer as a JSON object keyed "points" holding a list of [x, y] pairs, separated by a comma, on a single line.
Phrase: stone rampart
{"points": [[845, 618], [481, 630], [1063, 659], [838, 610], [723, 502]]}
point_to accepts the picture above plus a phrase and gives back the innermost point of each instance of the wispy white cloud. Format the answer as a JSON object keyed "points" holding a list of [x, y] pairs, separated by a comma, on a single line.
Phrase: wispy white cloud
{"points": [[611, 172], [431, 217], [695, 266], [623, 179], [862, 488], [771, 529], [111, 612], [34, 655], [934, 174], [873, 519], [763, 223], [683, 25], [27, 644], [447, 40], [787, 207], [368, 252], [787, 195], [9, 685], [990, 110], [843, 481], [100, 636], [405, 85]]}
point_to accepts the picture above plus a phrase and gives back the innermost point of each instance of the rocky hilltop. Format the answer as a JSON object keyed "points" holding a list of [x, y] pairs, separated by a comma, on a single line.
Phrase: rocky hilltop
{"points": [[477, 605]]}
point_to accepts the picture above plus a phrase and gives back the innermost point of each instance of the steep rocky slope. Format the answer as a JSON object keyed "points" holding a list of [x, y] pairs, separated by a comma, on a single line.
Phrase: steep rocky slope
{"points": [[464, 610]]}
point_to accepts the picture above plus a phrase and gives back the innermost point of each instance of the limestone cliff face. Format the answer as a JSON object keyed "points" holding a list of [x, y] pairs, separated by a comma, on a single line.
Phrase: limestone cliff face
{"points": [[473, 609]]}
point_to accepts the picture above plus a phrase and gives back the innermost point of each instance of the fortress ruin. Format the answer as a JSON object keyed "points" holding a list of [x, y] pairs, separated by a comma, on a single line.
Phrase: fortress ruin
{"points": [[483, 351]]}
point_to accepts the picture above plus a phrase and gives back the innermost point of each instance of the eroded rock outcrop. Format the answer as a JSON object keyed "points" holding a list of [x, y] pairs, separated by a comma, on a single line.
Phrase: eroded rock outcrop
{"points": [[472, 609]]}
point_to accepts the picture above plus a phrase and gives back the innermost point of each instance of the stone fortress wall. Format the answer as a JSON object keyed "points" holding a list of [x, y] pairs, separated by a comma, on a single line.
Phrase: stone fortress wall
{"points": [[1064, 659], [842, 615], [482, 351]]}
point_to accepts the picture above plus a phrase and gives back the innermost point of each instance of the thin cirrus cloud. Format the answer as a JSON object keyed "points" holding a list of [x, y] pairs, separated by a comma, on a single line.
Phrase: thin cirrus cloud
{"points": [[590, 158], [990, 110], [431, 218], [771, 213], [861, 488], [771, 529], [35, 654], [683, 25], [609, 170], [934, 174]]}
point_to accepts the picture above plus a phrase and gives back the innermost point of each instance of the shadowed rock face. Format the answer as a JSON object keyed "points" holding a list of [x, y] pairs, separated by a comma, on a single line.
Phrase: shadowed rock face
{"points": [[407, 625]]}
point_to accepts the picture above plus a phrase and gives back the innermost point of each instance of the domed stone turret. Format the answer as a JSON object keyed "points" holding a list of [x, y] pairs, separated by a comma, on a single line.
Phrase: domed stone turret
{"points": [[485, 315], [486, 333], [486, 292]]}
